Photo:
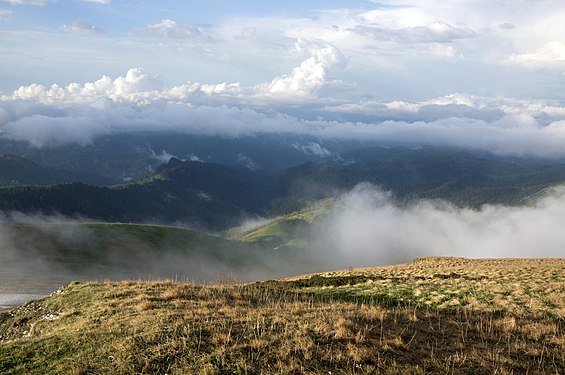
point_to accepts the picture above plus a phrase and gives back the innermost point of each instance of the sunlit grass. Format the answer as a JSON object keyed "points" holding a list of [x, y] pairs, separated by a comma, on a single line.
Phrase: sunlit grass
{"points": [[531, 287], [290, 327]]}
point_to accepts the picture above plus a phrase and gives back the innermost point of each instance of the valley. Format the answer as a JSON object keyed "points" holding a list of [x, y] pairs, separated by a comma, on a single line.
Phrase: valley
{"points": [[215, 197]]}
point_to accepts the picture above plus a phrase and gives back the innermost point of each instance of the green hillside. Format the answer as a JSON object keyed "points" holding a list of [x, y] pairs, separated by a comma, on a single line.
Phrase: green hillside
{"points": [[215, 197], [287, 230], [202, 195], [45, 255]]}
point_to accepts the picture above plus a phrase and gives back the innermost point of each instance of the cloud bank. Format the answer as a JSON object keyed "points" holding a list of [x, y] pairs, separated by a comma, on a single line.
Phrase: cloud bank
{"points": [[370, 229], [48, 116]]}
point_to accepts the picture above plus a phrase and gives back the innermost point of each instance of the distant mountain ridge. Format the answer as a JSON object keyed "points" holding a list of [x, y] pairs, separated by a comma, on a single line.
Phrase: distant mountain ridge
{"points": [[204, 195], [128, 157], [430, 173], [16, 170], [215, 197]]}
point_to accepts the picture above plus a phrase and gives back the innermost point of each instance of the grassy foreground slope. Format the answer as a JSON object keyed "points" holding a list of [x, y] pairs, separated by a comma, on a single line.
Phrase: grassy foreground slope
{"points": [[356, 321]]}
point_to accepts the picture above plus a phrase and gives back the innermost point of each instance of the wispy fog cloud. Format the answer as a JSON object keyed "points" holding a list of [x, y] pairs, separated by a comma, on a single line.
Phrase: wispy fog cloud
{"points": [[83, 28], [27, 2], [312, 148], [370, 229], [56, 250], [4, 13], [163, 157], [367, 228], [433, 32], [168, 28]]}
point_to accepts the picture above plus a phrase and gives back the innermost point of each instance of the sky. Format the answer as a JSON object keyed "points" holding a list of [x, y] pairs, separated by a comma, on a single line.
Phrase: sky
{"points": [[477, 74]]}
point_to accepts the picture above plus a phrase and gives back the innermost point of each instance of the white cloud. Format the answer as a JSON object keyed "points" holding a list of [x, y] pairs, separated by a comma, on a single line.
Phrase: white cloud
{"points": [[139, 87], [163, 157], [46, 131], [4, 13], [306, 79], [312, 148], [552, 54], [53, 115], [168, 28], [135, 86], [400, 50], [105, 2], [433, 32], [83, 28], [512, 135], [443, 51], [370, 228], [193, 157], [27, 2], [247, 162]]}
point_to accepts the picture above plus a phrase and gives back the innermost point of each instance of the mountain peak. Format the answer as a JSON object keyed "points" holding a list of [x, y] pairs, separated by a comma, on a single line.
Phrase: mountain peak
{"points": [[174, 162]]}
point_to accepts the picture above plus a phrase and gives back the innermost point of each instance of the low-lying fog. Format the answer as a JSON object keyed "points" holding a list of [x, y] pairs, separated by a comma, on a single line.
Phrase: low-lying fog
{"points": [[371, 229], [367, 228]]}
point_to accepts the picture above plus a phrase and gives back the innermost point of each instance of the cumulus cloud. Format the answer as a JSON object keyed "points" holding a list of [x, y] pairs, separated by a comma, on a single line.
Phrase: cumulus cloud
{"points": [[137, 86], [134, 86], [393, 50], [306, 79], [369, 228], [189, 90], [83, 28]]}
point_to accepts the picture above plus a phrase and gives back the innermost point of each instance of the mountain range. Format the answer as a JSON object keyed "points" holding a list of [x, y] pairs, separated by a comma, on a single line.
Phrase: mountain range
{"points": [[214, 196]]}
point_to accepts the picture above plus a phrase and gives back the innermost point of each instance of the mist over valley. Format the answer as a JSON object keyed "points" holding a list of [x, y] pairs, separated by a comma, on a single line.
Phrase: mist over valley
{"points": [[204, 221]]}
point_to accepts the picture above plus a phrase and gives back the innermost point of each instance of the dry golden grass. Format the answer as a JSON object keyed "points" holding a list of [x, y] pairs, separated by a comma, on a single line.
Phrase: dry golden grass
{"points": [[518, 286], [279, 327]]}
